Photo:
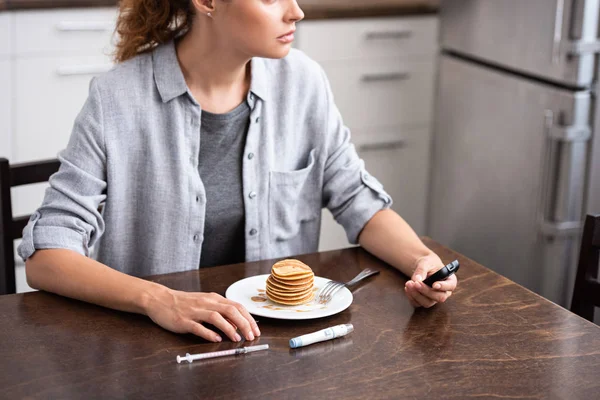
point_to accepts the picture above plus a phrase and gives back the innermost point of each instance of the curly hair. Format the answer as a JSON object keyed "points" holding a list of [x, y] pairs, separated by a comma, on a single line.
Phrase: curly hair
{"points": [[142, 25]]}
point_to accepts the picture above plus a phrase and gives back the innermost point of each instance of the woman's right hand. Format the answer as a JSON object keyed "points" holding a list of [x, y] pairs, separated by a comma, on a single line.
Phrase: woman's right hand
{"points": [[184, 312]]}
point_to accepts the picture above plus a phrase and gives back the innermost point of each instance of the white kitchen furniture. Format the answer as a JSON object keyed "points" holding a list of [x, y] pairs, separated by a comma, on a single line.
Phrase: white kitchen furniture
{"points": [[382, 73], [47, 58], [56, 53], [5, 84]]}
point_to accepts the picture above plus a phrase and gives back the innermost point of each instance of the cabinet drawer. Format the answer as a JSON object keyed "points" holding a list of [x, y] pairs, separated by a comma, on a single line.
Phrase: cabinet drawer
{"points": [[75, 31], [49, 93], [5, 34], [401, 163], [387, 93], [368, 38], [399, 159], [5, 109]]}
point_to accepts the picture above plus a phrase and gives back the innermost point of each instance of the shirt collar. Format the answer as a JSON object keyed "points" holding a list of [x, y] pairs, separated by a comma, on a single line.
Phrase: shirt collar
{"points": [[171, 83]]}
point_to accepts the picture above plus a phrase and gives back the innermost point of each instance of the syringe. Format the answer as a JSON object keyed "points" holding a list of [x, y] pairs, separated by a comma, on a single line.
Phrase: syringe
{"points": [[202, 356]]}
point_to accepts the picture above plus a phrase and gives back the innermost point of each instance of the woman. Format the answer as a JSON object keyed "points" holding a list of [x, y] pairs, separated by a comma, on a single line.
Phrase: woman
{"points": [[210, 142]]}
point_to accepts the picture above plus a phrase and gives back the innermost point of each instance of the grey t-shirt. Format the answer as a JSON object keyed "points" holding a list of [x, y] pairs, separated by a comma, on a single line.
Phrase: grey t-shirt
{"points": [[222, 140]]}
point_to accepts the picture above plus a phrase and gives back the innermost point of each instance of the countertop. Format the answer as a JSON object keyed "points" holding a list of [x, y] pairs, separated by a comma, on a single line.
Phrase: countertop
{"points": [[314, 9]]}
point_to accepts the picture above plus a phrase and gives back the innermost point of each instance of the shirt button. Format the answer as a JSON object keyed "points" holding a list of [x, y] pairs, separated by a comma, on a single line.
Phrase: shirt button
{"points": [[257, 119], [250, 156], [252, 195], [253, 232], [251, 97], [197, 199], [196, 237]]}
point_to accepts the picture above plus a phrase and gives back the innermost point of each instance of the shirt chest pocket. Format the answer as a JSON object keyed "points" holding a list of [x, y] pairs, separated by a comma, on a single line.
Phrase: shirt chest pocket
{"points": [[294, 199]]}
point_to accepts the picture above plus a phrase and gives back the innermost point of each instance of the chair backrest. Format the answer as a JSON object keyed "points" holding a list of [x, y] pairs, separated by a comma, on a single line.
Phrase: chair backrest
{"points": [[586, 294], [11, 228]]}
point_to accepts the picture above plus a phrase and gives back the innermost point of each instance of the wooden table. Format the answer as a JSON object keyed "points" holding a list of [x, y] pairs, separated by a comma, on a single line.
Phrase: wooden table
{"points": [[492, 338]]}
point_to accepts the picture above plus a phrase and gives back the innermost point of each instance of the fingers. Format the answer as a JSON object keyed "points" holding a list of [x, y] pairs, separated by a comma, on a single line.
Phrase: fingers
{"points": [[447, 285], [247, 316], [412, 301], [199, 330], [215, 318], [417, 296], [420, 273], [238, 315], [435, 295], [231, 312]]}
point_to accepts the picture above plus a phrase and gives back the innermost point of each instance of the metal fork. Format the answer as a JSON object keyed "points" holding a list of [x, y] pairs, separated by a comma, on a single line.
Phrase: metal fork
{"points": [[332, 287]]}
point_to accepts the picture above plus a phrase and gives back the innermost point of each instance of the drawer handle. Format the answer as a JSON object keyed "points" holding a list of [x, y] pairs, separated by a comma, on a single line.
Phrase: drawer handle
{"points": [[83, 69], [388, 35], [391, 145], [394, 76], [85, 26]]}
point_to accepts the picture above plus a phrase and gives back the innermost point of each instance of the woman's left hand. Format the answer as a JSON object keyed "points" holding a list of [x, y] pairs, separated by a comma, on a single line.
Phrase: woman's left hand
{"points": [[421, 295]]}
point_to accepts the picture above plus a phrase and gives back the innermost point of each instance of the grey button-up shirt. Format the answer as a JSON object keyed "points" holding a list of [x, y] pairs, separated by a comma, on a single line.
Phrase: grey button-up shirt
{"points": [[134, 150]]}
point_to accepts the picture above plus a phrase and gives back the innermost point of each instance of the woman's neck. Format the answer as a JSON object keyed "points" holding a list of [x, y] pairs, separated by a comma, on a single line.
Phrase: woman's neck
{"points": [[217, 76]]}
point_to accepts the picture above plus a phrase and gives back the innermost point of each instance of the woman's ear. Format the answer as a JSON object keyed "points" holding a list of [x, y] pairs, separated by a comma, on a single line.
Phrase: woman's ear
{"points": [[204, 6]]}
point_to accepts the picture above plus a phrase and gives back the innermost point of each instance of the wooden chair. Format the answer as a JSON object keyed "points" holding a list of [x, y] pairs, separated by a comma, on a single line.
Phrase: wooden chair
{"points": [[11, 228], [586, 294]]}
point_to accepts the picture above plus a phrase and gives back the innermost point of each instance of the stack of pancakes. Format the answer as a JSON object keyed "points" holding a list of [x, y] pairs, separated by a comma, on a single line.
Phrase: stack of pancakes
{"points": [[290, 283]]}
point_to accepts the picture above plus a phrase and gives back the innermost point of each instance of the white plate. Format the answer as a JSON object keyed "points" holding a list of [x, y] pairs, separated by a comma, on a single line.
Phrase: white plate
{"points": [[250, 292]]}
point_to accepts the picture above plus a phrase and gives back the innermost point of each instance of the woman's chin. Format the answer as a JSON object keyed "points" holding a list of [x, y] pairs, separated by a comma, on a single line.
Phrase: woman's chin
{"points": [[280, 52]]}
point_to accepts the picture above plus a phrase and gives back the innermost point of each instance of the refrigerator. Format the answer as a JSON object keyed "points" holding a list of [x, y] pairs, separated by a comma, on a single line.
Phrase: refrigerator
{"points": [[516, 145]]}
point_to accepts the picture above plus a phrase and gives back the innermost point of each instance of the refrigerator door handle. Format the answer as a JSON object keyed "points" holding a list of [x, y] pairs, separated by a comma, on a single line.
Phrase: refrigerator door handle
{"points": [[570, 133], [557, 36], [553, 183], [560, 229], [577, 47]]}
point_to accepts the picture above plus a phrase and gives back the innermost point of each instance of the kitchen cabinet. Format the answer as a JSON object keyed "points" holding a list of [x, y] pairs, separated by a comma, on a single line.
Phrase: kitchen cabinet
{"points": [[369, 38], [5, 34], [385, 93], [400, 163], [54, 89], [5, 86], [5, 109], [55, 55], [382, 74], [47, 59], [85, 31]]}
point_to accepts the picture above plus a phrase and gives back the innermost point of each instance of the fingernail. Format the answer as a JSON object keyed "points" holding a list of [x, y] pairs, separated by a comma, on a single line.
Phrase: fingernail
{"points": [[238, 338], [418, 278], [218, 339], [437, 286], [258, 331], [250, 335]]}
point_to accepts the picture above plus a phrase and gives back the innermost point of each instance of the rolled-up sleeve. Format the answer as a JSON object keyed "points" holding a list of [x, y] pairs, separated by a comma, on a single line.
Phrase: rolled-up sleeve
{"points": [[69, 217], [351, 194]]}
